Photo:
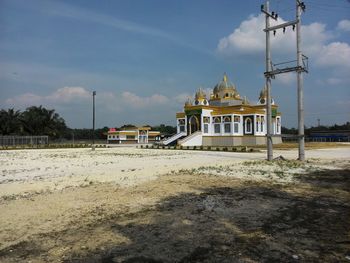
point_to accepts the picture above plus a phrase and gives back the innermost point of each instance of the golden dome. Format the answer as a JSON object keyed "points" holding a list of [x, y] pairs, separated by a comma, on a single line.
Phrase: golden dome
{"points": [[188, 102], [200, 95], [225, 89]]}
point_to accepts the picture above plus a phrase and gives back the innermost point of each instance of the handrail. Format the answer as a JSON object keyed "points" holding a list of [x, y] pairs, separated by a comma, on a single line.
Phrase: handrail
{"points": [[174, 137], [190, 137]]}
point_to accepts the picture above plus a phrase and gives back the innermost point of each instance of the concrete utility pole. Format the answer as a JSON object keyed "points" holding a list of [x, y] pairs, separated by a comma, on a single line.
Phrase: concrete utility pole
{"points": [[301, 137], [269, 145], [93, 120], [270, 73]]}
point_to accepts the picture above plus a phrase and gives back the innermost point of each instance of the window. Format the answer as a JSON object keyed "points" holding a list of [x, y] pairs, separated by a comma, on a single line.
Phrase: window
{"points": [[278, 125], [236, 127], [217, 128], [248, 125], [227, 127], [262, 124], [206, 128], [130, 137], [181, 124], [258, 120], [227, 119], [217, 124], [237, 120]]}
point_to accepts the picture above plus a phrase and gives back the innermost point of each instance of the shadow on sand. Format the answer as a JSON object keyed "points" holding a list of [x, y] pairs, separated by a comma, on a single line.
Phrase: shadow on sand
{"points": [[249, 223]]}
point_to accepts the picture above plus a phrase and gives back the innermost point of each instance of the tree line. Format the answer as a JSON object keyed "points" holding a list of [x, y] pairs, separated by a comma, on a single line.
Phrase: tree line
{"points": [[37, 120]]}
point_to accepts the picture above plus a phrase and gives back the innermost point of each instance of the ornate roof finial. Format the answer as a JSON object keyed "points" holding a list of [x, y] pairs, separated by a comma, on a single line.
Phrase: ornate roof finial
{"points": [[245, 101], [188, 102], [225, 77]]}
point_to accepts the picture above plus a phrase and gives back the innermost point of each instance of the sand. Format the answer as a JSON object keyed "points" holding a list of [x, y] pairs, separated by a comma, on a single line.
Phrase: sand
{"points": [[147, 205]]}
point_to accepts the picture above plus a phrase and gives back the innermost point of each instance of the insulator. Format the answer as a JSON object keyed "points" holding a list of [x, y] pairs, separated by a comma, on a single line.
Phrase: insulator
{"points": [[274, 32], [284, 30]]}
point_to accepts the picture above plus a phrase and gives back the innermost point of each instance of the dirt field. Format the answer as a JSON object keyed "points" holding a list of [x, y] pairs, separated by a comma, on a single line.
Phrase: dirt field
{"points": [[134, 205]]}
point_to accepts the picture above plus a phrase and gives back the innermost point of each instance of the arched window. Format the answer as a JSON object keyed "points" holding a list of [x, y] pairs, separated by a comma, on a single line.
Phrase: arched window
{"points": [[258, 121], [227, 124], [217, 125], [248, 125], [206, 121], [181, 124], [236, 122], [278, 127]]}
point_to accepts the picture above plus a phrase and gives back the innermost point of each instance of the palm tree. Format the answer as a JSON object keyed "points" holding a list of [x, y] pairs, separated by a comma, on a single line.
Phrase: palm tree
{"points": [[10, 122], [42, 121]]}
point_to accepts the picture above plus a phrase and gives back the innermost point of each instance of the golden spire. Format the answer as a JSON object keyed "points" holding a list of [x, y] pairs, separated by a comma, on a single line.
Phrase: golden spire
{"points": [[225, 77]]}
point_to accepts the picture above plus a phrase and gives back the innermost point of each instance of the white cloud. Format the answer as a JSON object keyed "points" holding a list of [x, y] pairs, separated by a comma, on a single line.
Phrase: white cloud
{"points": [[135, 101], [249, 38], [344, 25], [62, 95], [75, 95], [286, 79], [334, 54], [68, 94]]}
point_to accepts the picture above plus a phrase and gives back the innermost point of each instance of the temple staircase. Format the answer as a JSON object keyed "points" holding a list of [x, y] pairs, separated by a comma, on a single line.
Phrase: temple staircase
{"points": [[174, 138], [195, 139]]}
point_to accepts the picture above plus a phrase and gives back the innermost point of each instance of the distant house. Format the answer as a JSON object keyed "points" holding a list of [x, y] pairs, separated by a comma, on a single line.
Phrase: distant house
{"points": [[132, 135]]}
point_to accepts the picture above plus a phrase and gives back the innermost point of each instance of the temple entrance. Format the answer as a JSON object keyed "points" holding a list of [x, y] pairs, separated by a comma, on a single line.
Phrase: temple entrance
{"points": [[194, 124], [143, 137]]}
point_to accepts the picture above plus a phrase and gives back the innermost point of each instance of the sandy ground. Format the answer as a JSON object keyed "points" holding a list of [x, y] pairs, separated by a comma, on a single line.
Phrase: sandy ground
{"points": [[143, 205]]}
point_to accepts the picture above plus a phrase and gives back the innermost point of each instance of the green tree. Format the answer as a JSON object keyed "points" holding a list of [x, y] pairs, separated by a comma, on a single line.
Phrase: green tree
{"points": [[42, 121], [10, 122]]}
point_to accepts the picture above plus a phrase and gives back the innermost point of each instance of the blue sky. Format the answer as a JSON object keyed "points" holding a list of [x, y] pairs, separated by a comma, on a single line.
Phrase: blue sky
{"points": [[144, 58]]}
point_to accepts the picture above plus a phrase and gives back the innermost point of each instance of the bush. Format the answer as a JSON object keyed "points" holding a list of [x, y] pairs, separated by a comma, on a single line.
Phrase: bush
{"points": [[217, 149], [225, 149], [146, 146], [194, 147], [209, 148]]}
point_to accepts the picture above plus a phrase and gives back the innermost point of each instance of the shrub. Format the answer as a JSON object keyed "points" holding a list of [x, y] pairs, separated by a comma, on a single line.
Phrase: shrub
{"points": [[225, 149]]}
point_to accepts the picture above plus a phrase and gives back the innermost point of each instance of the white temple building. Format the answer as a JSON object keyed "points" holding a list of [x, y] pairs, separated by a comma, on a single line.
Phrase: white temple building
{"points": [[224, 119]]}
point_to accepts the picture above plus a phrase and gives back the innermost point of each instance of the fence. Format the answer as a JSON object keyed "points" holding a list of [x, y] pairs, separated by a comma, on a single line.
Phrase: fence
{"points": [[23, 140]]}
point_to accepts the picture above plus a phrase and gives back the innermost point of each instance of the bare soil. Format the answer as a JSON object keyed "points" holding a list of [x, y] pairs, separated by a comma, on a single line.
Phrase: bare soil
{"points": [[184, 217]]}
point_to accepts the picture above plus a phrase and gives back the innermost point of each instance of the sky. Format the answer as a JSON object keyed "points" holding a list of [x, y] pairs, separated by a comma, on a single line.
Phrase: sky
{"points": [[145, 58]]}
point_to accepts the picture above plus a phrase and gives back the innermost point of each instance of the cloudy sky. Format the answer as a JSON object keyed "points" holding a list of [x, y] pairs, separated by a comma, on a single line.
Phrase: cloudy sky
{"points": [[144, 58]]}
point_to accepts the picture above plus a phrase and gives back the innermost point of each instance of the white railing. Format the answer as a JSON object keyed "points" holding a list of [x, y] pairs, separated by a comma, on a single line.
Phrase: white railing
{"points": [[174, 137]]}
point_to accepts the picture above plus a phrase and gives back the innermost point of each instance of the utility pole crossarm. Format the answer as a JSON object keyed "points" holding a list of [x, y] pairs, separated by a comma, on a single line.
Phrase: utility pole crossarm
{"points": [[284, 25]]}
